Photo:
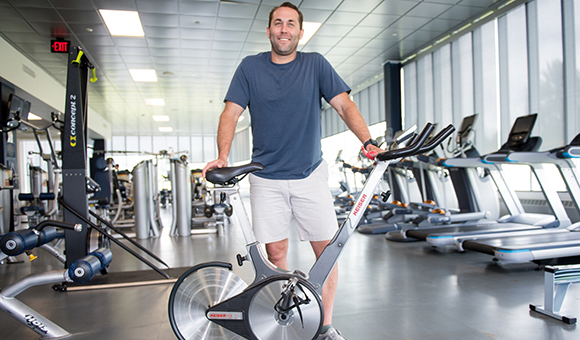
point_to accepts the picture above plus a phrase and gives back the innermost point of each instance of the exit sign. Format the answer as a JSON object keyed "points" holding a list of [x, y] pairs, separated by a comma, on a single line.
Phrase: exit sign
{"points": [[59, 46]]}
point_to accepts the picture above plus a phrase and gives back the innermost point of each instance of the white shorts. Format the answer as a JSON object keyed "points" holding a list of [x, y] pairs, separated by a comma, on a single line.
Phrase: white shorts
{"points": [[308, 201]]}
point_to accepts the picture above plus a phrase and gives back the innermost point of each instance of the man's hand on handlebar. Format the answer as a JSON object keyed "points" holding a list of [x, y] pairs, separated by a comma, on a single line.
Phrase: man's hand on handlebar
{"points": [[372, 151], [218, 163]]}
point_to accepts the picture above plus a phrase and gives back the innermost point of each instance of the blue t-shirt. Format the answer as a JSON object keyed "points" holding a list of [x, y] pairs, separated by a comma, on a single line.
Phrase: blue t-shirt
{"points": [[285, 104]]}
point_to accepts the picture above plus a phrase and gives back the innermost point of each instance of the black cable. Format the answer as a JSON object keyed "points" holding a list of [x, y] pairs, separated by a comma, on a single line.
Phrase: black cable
{"points": [[109, 225], [102, 231]]}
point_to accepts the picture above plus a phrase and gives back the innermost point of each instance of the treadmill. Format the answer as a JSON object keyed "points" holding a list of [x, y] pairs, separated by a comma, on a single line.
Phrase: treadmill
{"points": [[538, 245], [519, 139]]}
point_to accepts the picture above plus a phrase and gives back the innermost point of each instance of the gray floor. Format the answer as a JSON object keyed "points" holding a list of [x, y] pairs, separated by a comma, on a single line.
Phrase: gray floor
{"points": [[387, 291]]}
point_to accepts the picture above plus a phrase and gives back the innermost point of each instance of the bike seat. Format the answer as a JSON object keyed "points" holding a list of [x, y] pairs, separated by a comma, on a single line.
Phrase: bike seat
{"points": [[228, 175]]}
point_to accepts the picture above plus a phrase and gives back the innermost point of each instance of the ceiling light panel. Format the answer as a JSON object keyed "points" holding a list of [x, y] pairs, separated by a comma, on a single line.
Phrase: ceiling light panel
{"points": [[155, 101], [123, 23], [143, 75], [310, 29], [162, 118], [165, 129]]}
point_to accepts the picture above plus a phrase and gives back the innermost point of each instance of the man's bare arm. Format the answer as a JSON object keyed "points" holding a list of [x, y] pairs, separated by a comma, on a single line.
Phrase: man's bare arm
{"points": [[225, 136]]}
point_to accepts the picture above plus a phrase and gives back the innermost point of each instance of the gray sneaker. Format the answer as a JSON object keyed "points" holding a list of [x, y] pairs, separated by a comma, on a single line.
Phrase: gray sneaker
{"points": [[331, 334]]}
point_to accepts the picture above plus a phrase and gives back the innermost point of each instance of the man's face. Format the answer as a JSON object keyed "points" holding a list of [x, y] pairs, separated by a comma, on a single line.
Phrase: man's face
{"points": [[284, 31]]}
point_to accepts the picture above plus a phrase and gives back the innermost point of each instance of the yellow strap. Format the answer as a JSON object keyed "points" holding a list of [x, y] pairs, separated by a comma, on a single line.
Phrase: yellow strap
{"points": [[79, 56]]}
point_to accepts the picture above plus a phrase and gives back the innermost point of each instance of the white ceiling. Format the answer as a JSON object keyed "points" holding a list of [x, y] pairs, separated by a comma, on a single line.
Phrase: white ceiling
{"points": [[195, 46]]}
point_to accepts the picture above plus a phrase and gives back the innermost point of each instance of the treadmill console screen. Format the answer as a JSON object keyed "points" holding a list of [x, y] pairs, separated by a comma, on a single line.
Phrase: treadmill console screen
{"points": [[522, 129], [466, 127], [18, 109]]}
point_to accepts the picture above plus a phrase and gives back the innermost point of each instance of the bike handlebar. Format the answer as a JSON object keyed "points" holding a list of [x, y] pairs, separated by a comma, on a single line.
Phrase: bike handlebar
{"points": [[437, 139], [408, 150]]}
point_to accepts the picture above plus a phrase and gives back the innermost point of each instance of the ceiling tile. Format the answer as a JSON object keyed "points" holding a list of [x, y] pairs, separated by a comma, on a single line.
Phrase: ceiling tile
{"points": [[396, 7], [236, 10], [202, 8], [428, 10], [195, 61], [106, 50], [478, 3], [8, 14], [40, 15], [195, 53], [197, 21], [67, 4], [161, 52], [124, 5], [345, 18], [130, 42], [28, 38], [342, 50], [196, 44], [81, 29], [317, 4], [196, 33], [365, 32], [230, 63], [98, 40], [233, 24], [161, 32], [163, 43], [363, 6], [440, 25], [330, 30], [30, 3], [409, 22], [460, 12], [80, 17], [224, 55], [382, 44], [227, 45], [316, 15], [15, 26], [254, 37], [259, 26], [379, 20], [155, 6], [164, 20], [324, 41], [222, 35], [107, 58]]}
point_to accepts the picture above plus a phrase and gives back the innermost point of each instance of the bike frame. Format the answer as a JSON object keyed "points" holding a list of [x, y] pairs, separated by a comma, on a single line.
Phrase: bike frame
{"points": [[321, 269]]}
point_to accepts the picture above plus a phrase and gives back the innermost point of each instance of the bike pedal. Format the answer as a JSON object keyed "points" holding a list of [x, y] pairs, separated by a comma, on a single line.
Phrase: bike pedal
{"points": [[241, 259]]}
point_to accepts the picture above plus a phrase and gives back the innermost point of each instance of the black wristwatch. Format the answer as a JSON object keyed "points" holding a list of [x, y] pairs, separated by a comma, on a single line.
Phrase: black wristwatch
{"points": [[370, 141]]}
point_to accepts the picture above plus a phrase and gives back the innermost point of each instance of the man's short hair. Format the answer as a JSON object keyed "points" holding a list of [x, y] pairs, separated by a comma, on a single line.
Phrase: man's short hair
{"points": [[289, 5]]}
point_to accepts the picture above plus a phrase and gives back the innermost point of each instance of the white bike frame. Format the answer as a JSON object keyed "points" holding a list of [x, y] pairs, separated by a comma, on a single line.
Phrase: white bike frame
{"points": [[321, 269]]}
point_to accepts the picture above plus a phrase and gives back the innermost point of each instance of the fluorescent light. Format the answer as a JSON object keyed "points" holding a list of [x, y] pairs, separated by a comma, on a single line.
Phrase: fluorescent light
{"points": [[310, 29], [123, 23], [155, 101], [143, 75], [165, 129], [161, 118], [32, 116]]}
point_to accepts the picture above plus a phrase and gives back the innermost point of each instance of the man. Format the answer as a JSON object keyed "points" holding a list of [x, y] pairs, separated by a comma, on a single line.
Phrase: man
{"points": [[283, 90]]}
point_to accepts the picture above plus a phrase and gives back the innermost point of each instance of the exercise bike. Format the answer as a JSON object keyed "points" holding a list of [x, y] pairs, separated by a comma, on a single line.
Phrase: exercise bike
{"points": [[210, 302]]}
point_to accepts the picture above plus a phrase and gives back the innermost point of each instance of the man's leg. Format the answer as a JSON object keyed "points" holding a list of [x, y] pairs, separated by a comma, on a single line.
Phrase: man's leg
{"points": [[277, 253], [329, 289]]}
